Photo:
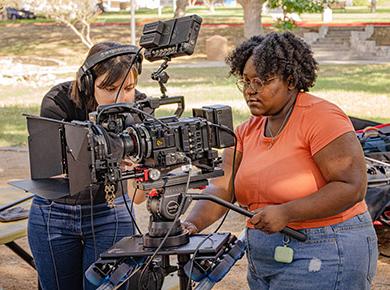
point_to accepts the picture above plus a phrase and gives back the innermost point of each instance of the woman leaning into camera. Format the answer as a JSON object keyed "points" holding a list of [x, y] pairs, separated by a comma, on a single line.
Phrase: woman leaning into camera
{"points": [[298, 164], [66, 235]]}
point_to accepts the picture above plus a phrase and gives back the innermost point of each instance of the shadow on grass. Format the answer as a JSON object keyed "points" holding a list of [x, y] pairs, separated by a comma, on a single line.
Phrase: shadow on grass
{"points": [[355, 78]]}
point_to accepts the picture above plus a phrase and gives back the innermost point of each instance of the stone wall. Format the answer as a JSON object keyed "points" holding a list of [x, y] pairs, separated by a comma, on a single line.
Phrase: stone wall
{"points": [[373, 41], [381, 35]]}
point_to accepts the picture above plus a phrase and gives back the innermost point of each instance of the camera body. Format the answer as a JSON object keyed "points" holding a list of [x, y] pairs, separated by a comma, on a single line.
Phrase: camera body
{"points": [[167, 141]]}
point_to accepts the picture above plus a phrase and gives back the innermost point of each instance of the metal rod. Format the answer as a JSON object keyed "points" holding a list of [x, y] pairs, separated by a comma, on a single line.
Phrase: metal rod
{"points": [[7, 206], [183, 279], [21, 253], [377, 161]]}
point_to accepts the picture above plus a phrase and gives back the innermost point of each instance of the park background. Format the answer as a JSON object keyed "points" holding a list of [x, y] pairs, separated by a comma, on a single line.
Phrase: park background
{"points": [[36, 54]]}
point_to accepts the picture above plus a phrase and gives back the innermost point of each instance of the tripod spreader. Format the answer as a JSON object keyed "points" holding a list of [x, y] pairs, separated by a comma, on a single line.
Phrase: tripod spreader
{"points": [[287, 230]]}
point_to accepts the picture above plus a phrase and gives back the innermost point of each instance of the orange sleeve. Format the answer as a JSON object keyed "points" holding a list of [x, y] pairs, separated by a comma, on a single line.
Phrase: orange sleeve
{"points": [[323, 123]]}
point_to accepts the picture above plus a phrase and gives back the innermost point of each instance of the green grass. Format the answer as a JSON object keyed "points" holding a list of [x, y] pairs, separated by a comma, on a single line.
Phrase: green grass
{"points": [[13, 131], [202, 86], [355, 78]]}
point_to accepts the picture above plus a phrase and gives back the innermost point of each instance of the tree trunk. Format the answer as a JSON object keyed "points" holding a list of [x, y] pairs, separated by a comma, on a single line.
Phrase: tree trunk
{"points": [[180, 8], [83, 33], [191, 3], [212, 7], [252, 17]]}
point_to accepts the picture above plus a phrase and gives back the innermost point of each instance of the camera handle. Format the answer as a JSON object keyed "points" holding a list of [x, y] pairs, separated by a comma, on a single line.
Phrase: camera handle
{"points": [[287, 230], [161, 76]]}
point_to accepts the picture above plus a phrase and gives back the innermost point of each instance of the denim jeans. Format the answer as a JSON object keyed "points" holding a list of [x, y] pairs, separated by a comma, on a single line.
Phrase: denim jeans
{"points": [[64, 243], [341, 256]]}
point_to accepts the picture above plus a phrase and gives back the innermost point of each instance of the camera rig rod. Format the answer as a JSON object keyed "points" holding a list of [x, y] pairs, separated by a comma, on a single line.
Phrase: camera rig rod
{"points": [[287, 230], [161, 76]]}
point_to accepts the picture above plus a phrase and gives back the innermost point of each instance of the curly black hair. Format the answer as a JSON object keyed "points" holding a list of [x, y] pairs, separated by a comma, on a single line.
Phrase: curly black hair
{"points": [[239, 56], [280, 54]]}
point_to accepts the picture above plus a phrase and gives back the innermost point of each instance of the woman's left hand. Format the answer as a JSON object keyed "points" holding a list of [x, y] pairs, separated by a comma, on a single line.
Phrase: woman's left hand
{"points": [[270, 219]]}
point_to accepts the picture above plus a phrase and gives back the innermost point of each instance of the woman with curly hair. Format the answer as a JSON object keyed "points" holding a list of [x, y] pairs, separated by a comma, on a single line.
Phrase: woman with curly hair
{"points": [[298, 164]]}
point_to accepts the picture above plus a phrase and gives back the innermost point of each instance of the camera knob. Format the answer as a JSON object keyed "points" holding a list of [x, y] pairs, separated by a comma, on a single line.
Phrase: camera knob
{"points": [[154, 174]]}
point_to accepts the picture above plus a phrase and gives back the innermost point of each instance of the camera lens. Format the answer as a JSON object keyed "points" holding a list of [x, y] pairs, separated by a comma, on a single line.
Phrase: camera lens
{"points": [[128, 144]]}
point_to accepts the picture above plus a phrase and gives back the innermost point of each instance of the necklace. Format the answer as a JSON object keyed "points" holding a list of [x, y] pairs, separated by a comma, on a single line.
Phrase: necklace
{"points": [[281, 126]]}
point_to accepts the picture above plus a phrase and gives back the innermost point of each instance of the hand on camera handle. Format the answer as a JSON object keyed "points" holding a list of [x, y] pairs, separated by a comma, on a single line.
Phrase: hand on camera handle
{"points": [[270, 219], [190, 227]]}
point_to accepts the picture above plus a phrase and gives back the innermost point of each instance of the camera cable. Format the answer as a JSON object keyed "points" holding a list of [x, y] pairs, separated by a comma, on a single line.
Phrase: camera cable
{"points": [[181, 206], [130, 210], [92, 223], [231, 132], [127, 73], [132, 108], [150, 259]]}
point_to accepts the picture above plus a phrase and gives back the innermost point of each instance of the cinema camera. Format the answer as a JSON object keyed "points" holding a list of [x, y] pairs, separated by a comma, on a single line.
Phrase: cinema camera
{"points": [[83, 155]]}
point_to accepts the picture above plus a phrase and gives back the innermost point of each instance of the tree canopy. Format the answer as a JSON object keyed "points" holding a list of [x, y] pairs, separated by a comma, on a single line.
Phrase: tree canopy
{"points": [[76, 14]]}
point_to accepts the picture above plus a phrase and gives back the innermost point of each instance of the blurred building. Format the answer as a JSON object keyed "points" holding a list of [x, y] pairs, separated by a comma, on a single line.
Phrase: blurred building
{"points": [[117, 5]]}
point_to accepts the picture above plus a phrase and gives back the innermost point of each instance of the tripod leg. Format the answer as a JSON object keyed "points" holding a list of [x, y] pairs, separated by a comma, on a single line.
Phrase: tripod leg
{"points": [[183, 279]]}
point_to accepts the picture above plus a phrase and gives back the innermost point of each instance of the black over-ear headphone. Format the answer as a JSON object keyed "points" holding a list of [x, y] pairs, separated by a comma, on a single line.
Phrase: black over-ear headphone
{"points": [[85, 78]]}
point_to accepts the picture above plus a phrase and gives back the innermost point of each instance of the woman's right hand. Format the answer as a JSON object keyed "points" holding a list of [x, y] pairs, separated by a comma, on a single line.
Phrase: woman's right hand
{"points": [[190, 227]]}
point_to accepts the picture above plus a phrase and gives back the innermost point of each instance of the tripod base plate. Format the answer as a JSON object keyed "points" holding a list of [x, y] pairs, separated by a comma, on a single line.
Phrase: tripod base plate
{"points": [[133, 246]]}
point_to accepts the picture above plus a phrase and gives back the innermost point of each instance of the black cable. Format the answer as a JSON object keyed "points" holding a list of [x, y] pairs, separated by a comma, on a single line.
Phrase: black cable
{"points": [[130, 210], [127, 73], [182, 203], [92, 223], [125, 280], [149, 115], [231, 132], [193, 258], [134, 109]]}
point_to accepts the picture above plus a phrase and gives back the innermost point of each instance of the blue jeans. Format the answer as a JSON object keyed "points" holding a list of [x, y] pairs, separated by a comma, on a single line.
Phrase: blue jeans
{"points": [[64, 243], [341, 256]]}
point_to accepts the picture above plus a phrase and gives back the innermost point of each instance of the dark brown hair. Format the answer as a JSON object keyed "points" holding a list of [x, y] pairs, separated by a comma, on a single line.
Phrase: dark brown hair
{"points": [[117, 66]]}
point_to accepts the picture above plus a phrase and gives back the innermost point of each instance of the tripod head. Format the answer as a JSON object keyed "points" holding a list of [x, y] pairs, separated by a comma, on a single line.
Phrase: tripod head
{"points": [[167, 200]]}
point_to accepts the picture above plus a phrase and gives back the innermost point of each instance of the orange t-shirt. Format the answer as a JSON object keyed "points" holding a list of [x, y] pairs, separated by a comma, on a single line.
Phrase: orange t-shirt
{"points": [[286, 170]]}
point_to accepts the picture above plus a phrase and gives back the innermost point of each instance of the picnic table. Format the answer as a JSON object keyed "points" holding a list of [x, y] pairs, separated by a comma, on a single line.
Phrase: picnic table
{"points": [[10, 232]]}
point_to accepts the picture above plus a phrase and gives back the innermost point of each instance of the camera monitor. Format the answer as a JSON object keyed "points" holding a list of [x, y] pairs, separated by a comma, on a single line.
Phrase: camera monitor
{"points": [[170, 38]]}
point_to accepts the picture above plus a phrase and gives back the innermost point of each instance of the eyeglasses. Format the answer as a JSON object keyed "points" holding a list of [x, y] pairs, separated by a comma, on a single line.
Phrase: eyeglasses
{"points": [[255, 84]]}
